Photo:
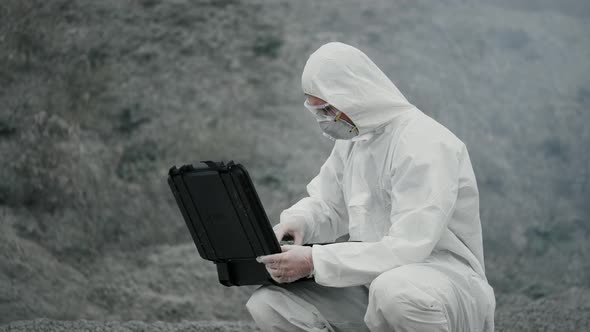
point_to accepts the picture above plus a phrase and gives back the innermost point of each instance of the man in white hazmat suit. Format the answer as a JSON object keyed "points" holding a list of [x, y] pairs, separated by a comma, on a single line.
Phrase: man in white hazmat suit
{"points": [[402, 185]]}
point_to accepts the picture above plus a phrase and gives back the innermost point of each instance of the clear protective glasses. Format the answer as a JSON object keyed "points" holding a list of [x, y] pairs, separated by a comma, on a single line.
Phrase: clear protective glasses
{"points": [[325, 110]]}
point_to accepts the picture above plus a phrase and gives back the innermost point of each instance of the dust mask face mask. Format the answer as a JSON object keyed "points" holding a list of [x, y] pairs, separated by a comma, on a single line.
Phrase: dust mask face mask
{"points": [[330, 122]]}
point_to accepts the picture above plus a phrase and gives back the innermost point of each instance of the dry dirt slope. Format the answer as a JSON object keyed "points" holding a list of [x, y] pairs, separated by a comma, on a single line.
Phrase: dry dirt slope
{"points": [[98, 99]]}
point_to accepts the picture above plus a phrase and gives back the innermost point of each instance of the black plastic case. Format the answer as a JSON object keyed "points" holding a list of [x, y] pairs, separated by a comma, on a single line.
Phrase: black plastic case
{"points": [[226, 220]]}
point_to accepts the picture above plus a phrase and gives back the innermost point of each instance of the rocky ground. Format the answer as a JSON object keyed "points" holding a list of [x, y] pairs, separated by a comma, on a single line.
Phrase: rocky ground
{"points": [[46, 325], [99, 98]]}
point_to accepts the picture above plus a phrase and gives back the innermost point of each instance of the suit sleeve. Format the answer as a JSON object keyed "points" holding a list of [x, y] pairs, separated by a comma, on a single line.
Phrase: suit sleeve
{"points": [[424, 187], [323, 210]]}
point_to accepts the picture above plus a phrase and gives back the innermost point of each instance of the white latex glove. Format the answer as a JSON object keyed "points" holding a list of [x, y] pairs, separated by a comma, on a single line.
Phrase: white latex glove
{"points": [[294, 226], [295, 262]]}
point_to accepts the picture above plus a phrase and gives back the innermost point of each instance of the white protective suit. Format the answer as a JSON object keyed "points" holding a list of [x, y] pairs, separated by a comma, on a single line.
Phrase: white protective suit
{"points": [[405, 187]]}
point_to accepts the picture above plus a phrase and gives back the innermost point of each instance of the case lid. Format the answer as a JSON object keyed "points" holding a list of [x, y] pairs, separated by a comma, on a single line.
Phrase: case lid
{"points": [[222, 211]]}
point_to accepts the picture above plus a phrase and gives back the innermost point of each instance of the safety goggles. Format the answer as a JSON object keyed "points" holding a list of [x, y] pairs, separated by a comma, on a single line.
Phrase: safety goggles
{"points": [[325, 110]]}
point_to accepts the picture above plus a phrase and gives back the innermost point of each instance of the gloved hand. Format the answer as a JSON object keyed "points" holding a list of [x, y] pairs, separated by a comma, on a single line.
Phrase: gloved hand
{"points": [[294, 226], [295, 262]]}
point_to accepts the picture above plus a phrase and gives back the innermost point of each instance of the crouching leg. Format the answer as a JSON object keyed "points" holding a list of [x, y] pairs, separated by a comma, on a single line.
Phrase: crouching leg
{"points": [[438, 296], [307, 306]]}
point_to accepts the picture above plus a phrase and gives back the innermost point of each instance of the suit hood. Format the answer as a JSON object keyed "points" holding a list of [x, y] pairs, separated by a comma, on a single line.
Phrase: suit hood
{"points": [[345, 77]]}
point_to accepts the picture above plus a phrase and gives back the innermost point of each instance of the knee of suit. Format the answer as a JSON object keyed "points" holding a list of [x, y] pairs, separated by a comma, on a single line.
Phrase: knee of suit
{"points": [[394, 297], [260, 302]]}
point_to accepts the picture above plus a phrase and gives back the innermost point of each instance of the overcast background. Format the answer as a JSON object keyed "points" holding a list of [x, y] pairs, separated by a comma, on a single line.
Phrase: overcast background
{"points": [[99, 98]]}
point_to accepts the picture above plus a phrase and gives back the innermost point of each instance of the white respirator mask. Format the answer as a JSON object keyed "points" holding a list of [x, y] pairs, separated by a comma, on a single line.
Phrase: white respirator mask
{"points": [[330, 121]]}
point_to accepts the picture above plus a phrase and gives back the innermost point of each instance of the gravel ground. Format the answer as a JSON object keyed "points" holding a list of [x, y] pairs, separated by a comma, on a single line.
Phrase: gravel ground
{"points": [[47, 325]]}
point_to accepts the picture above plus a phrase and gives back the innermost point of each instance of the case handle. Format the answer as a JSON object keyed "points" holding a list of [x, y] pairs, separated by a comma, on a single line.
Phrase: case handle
{"points": [[218, 166]]}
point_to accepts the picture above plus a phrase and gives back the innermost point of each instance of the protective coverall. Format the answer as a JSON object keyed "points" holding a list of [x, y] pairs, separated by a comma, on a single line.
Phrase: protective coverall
{"points": [[405, 187]]}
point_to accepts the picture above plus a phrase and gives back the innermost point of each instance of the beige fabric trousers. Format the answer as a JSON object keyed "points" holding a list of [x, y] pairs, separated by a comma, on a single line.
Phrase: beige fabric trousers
{"points": [[441, 294]]}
